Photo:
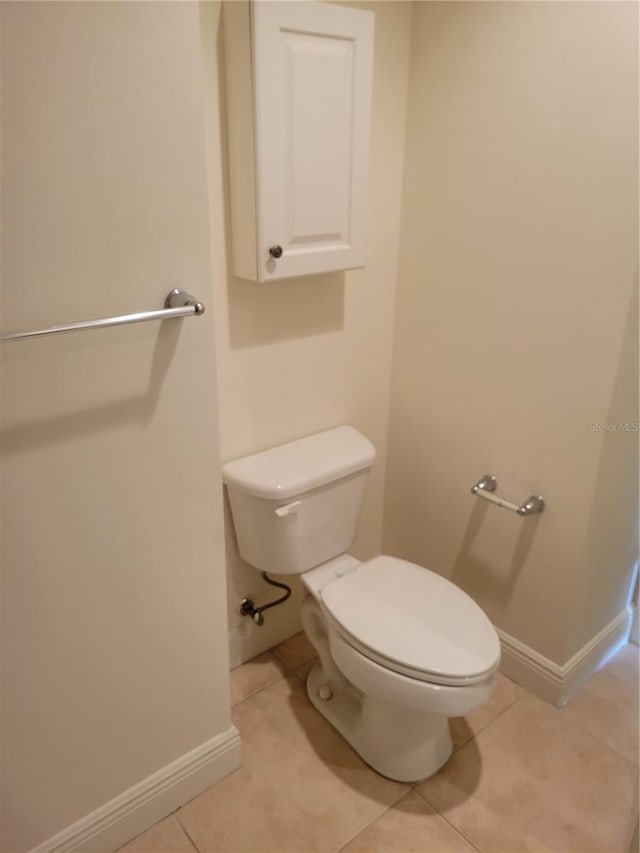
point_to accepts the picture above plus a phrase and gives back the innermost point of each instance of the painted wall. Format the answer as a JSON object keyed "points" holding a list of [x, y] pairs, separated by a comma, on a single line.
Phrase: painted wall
{"points": [[516, 321], [303, 355], [114, 629]]}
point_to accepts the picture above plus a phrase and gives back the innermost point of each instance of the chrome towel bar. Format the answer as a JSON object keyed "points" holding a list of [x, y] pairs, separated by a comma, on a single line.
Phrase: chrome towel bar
{"points": [[485, 487], [178, 303]]}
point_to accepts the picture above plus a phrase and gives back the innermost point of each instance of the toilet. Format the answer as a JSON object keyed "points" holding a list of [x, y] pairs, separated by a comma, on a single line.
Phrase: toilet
{"points": [[401, 649]]}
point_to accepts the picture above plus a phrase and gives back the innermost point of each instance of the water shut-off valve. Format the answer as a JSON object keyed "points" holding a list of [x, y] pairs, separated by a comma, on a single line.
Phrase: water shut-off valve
{"points": [[248, 607]]}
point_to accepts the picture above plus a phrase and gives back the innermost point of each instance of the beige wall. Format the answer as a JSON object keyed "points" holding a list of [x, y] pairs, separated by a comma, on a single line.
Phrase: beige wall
{"points": [[299, 356], [515, 325], [114, 634], [516, 330]]}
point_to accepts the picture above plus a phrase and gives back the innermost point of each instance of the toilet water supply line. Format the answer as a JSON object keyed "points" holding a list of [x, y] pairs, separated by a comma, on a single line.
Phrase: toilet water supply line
{"points": [[248, 608]]}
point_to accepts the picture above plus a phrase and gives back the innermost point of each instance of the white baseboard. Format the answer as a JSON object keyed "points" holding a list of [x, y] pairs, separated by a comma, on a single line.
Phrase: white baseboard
{"points": [[551, 681], [138, 808], [249, 640]]}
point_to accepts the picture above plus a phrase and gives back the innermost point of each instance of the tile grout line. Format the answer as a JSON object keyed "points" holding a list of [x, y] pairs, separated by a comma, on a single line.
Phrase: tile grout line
{"points": [[584, 731], [459, 832], [572, 723], [373, 819], [486, 725], [293, 673], [184, 829], [446, 820], [493, 719], [483, 728], [292, 669], [578, 725], [259, 690], [279, 659]]}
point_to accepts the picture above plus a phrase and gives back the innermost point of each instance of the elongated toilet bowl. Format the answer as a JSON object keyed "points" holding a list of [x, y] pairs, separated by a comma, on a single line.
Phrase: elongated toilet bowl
{"points": [[401, 648]]}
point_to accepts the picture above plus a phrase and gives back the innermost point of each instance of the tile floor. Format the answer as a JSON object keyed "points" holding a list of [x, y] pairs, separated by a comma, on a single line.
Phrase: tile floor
{"points": [[523, 776]]}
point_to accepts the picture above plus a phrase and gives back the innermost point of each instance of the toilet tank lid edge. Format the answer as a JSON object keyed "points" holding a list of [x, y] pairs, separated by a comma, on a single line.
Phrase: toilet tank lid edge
{"points": [[301, 465]]}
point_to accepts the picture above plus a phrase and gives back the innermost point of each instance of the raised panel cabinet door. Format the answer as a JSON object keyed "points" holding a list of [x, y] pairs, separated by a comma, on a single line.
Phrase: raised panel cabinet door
{"points": [[312, 85]]}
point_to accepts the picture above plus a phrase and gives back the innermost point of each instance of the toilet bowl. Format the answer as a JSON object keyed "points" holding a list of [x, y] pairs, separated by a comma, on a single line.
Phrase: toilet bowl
{"points": [[410, 647], [401, 649]]}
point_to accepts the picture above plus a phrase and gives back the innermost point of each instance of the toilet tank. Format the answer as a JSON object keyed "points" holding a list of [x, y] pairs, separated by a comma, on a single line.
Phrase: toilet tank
{"points": [[297, 505]]}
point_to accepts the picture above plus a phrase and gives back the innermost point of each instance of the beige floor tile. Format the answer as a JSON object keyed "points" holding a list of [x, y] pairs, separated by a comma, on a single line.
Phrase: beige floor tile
{"points": [[303, 671], [284, 712], [409, 826], [505, 694], [533, 781], [295, 651], [254, 675], [607, 706], [302, 788], [165, 837], [284, 709]]}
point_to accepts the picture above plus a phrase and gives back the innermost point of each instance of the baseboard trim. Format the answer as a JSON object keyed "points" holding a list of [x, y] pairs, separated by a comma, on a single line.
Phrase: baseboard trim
{"points": [[248, 640], [138, 808], [557, 683]]}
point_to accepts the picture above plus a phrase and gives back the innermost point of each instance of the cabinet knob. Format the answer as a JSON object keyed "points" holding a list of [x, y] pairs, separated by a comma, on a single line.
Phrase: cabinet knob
{"points": [[275, 251]]}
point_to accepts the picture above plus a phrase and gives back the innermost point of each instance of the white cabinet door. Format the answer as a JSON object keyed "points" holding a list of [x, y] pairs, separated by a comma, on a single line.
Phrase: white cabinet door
{"points": [[312, 75]]}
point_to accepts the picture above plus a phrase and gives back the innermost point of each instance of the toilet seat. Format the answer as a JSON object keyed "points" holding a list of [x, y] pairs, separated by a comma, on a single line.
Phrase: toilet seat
{"points": [[413, 622]]}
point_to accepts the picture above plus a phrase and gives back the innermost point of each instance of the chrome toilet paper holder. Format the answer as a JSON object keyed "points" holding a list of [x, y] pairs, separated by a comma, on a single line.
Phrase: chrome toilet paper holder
{"points": [[486, 486]]}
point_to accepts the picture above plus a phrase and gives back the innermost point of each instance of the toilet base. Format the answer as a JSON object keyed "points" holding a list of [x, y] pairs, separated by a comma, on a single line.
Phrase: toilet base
{"points": [[402, 745]]}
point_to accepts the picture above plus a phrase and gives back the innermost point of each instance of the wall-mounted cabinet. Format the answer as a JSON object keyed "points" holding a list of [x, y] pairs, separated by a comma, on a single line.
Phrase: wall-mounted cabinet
{"points": [[299, 78]]}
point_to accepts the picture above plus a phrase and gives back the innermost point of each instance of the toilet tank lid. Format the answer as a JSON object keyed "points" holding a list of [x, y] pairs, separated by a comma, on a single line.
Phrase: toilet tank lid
{"points": [[301, 465]]}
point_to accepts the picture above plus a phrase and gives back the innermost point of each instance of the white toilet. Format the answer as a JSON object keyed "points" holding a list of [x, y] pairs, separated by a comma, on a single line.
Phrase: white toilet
{"points": [[401, 649]]}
